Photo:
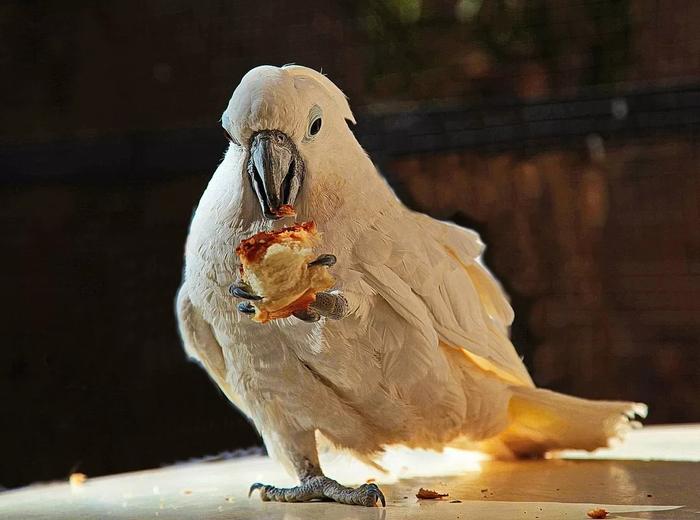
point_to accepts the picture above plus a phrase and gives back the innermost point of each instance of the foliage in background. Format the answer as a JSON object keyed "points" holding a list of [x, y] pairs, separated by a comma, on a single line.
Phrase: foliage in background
{"points": [[477, 48]]}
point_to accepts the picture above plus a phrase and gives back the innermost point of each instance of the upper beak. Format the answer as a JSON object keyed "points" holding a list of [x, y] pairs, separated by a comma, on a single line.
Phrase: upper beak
{"points": [[276, 170]]}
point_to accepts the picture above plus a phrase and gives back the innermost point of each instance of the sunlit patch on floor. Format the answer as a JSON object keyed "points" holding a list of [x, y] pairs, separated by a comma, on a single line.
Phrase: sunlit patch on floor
{"points": [[402, 463], [678, 442]]}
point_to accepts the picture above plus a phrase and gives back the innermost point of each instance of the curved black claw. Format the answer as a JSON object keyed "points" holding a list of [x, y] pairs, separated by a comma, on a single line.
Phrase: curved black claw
{"points": [[308, 315], [255, 486], [246, 308], [374, 495], [239, 291], [328, 260]]}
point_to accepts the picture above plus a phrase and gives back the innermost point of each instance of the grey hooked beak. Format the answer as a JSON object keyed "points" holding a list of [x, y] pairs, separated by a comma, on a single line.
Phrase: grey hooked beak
{"points": [[276, 170]]}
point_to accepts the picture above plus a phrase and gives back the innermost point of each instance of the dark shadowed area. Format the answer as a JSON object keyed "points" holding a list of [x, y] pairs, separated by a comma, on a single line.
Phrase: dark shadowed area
{"points": [[566, 132]]}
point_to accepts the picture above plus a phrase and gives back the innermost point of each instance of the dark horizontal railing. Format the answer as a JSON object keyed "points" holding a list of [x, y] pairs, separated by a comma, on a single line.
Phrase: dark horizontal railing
{"points": [[508, 124], [490, 127]]}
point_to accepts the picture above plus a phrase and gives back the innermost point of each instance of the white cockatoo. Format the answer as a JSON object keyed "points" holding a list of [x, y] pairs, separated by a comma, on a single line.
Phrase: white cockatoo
{"points": [[412, 344]]}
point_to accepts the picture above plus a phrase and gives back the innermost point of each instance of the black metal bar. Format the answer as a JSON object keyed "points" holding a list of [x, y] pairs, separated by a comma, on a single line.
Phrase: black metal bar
{"points": [[499, 125]]}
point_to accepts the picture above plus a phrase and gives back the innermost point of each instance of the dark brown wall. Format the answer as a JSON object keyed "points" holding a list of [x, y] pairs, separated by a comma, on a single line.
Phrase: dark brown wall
{"points": [[77, 69]]}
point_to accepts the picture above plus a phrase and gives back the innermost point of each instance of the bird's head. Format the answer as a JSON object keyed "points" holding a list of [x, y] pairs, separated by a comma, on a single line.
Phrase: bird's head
{"points": [[285, 120]]}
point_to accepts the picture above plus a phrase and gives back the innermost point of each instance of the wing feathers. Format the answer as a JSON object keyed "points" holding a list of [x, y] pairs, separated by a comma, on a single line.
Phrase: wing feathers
{"points": [[201, 344], [434, 281]]}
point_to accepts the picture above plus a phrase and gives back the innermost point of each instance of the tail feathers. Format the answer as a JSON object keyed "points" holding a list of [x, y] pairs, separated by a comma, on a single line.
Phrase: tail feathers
{"points": [[543, 421]]}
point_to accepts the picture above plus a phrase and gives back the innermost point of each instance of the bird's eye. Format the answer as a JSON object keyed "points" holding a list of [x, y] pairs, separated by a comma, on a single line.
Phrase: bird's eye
{"points": [[229, 138], [315, 122], [315, 127]]}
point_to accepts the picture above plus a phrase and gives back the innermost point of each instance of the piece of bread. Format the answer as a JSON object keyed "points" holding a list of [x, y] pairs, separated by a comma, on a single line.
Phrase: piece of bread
{"points": [[275, 266]]}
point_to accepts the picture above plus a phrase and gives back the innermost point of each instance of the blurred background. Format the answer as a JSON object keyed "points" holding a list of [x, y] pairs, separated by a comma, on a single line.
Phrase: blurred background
{"points": [[564, 131]]}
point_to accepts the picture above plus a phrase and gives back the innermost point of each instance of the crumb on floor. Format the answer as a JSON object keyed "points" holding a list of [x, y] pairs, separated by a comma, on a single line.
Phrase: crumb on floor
{"points": [[428, 494], [77, 478]]}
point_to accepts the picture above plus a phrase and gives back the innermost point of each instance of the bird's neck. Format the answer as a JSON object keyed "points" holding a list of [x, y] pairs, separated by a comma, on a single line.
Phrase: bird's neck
{"points": [[344, 188], [229, 206]]}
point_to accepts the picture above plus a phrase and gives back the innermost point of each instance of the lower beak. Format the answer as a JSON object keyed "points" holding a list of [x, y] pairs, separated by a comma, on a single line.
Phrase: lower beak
{"points": [[276, 170]]}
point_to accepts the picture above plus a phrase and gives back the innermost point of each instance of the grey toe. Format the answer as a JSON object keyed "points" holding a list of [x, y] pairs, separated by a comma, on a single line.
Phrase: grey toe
{"points": [[332, 305], [327, 260], [307, 315], [373, 495], [240, 291], [246, 308]]}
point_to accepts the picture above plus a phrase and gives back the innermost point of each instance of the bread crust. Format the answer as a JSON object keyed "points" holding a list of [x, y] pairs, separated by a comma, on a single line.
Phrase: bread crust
{"points": [[253, 249], [285, 211]]}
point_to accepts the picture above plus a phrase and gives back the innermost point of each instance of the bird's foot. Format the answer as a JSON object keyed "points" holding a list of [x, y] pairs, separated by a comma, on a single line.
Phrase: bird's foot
{"points": [[329, 304], [321, 487]]}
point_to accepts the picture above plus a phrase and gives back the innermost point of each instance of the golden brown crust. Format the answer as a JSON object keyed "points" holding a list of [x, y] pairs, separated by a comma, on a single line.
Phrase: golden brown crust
{"points": [[285, 211], [253, 249], [597, 513]]}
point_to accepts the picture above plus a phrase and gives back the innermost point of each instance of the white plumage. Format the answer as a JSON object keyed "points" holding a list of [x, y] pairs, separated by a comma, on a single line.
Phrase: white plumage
{"points": [[423, 359]]}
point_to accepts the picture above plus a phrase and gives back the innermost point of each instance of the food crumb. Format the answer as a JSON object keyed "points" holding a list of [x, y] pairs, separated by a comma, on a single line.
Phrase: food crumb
{"points": [[649, 496], [228, 499], [285, 211], [455, 501], [77, 479], [186, 492], [484, 490], [427, 494], [597, 513], [370, 480], [161, 506]]}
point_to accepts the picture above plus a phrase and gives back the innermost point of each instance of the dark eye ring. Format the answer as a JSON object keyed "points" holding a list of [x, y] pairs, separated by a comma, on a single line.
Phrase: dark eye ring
{"points": [[229, 138], [315, 127]]}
